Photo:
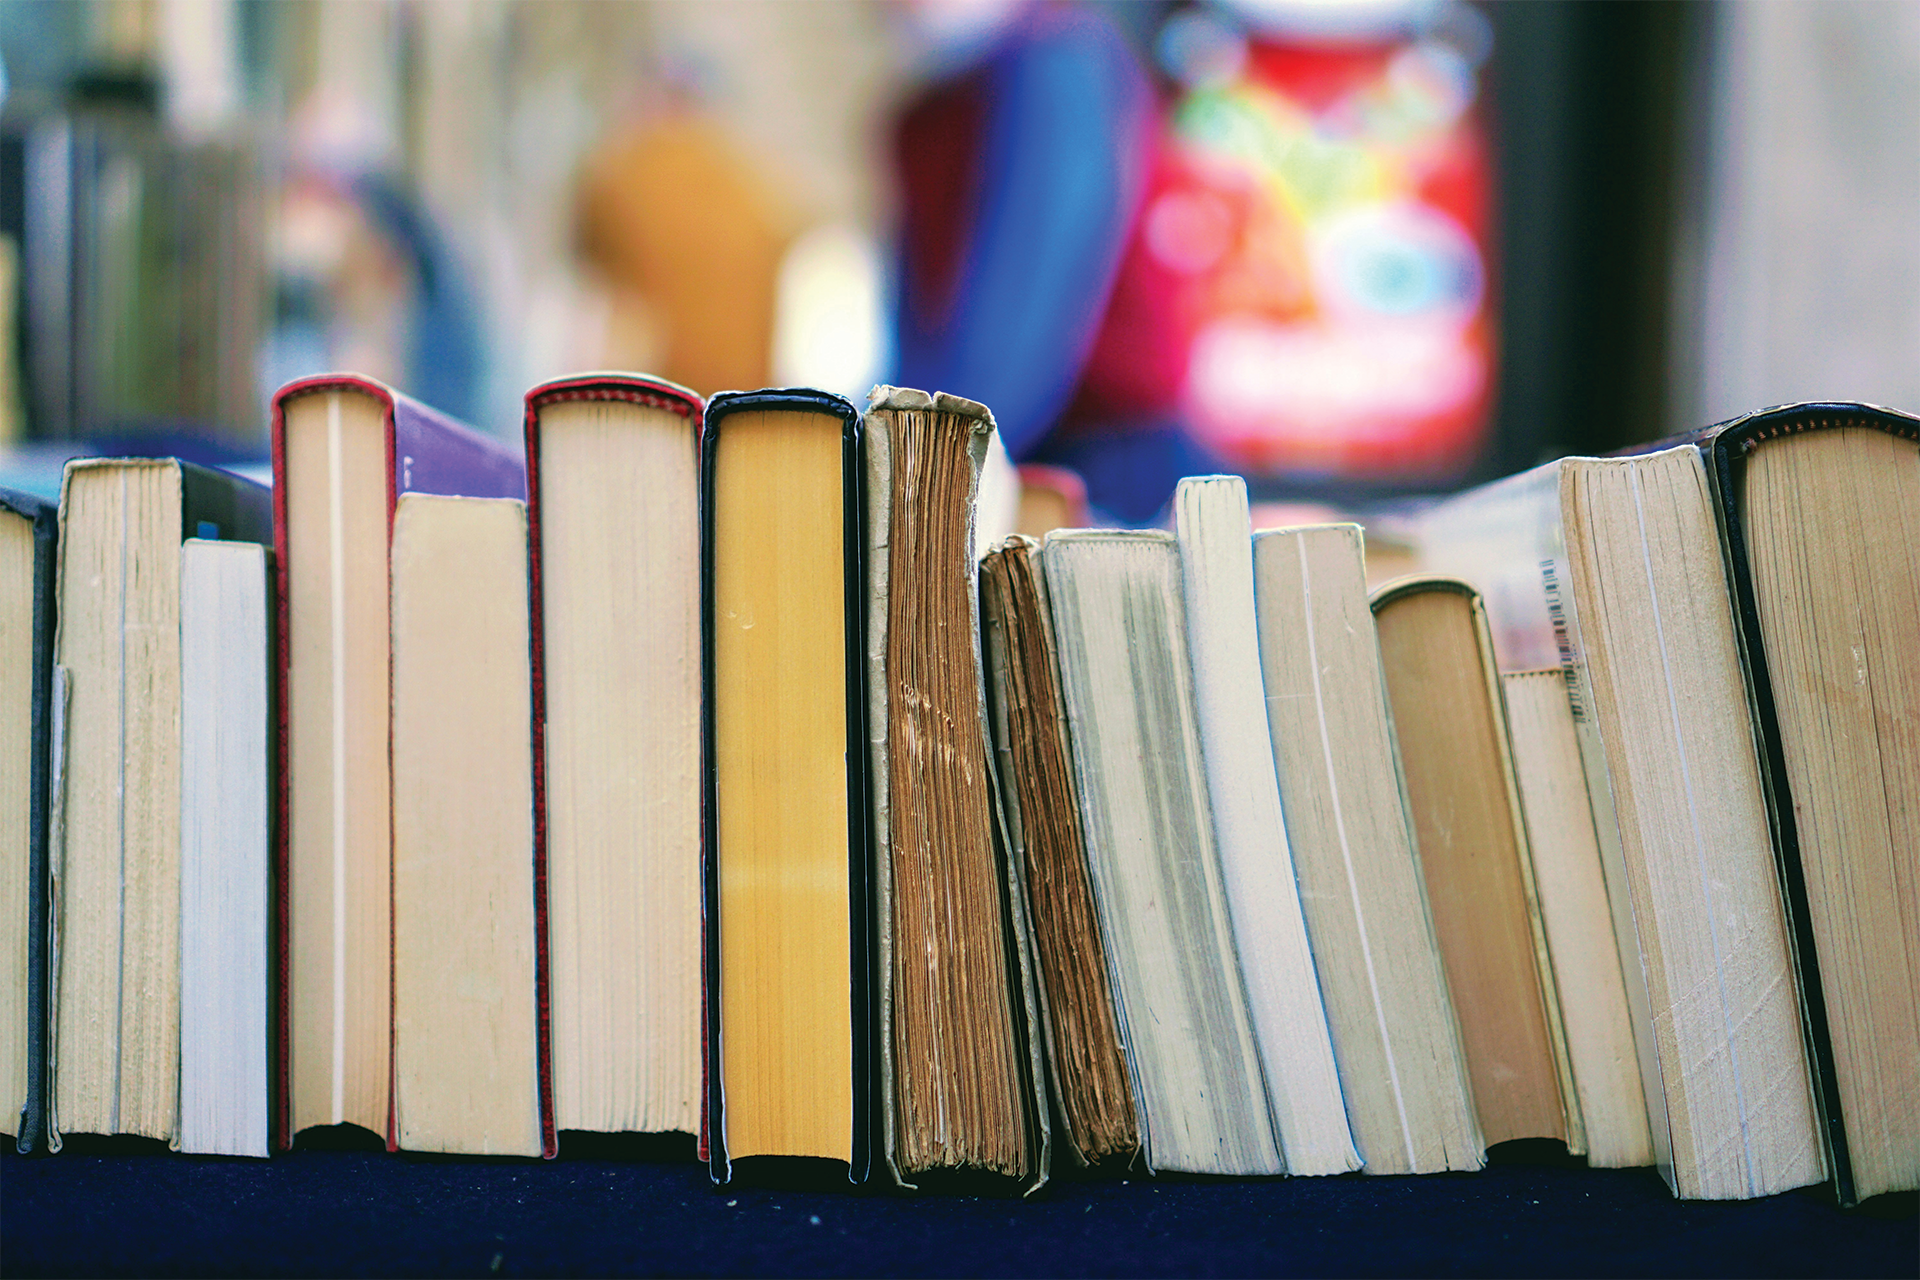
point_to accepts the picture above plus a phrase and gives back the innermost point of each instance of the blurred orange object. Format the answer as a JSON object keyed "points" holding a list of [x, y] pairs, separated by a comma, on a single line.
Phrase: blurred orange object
{"points": [[1050, 498], [689, 236]]}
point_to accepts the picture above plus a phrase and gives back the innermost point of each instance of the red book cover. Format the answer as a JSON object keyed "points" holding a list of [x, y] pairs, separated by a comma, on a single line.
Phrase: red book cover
{"points": [[426, 452], [636, 389]]}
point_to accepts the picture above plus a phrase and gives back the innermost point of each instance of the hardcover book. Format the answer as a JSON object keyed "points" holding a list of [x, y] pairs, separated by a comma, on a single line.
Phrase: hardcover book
{"points": [[1464, 801], [787, 888], [29, 536], [1819, 511], [344, 449], [613, 566]]}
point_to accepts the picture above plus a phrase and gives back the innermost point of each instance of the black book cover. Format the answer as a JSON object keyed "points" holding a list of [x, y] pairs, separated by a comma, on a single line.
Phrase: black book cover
{"points": [[219, 504], [44, 516], [859, 870]]}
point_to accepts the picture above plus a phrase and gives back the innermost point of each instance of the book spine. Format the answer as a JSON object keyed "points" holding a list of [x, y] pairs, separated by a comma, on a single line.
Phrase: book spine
{"points": [[537, 730], [45, 544]]}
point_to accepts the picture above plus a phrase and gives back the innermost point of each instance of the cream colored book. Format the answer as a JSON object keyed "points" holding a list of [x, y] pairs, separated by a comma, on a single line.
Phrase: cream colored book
{"points": [[1577, 918], [614, 534], [1270, 932], [117, 836], [224, 830], [1612, 569], [344, 449], [465, 1026], [1402, 1072]]}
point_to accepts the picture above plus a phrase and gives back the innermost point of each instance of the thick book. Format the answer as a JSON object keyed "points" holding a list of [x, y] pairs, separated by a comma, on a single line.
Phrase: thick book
{"points": [[225, 720], [1612, 571], [1464, 801], [344, 449], [29, 535], [115, 853], [958, 1025], [1119, 619], [786, 881], [1215, 537], [1819, 511], [1403, 1075], [613, 567], [467, 1050], [1033, 768]]}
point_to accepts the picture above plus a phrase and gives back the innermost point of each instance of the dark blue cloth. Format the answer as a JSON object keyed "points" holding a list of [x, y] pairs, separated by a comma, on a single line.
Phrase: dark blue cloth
{"points": [[363, 1213]]}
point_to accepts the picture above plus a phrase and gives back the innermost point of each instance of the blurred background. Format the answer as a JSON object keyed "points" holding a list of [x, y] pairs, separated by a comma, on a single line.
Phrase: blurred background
{"points": [[1351, 249]]}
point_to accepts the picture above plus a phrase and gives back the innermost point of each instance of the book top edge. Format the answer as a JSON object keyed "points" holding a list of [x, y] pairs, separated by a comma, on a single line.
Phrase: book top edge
{"points": [[909, 399], [641, 388], [778, 399], [1415, 583]]}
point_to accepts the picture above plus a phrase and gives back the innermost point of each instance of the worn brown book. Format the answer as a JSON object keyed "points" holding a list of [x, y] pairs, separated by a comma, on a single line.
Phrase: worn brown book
{"points": [[958, 1028], [1086, 1063]]}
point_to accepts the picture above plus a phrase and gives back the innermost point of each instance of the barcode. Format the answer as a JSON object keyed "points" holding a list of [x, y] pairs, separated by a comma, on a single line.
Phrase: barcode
{"points": [[1562, 638]]}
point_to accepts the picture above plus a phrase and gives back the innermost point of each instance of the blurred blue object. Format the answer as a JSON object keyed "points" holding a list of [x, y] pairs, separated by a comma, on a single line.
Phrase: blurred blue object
{"points": [[443, 362], [1021, 176]]}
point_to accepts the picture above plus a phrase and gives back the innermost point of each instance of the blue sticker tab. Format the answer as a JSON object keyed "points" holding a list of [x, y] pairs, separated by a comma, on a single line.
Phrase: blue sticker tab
{"points": [[207, 529]]}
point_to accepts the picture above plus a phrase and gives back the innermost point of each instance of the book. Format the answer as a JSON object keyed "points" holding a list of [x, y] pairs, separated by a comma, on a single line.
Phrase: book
{"points": [[1086, 1063], [114, 997], [344, 449], [1450, 725], [224, 827], [1611, 569], [957, 1025], [787, 896], [613, 541], [1577, 919], [29, 538], [1215, 539], [1402, 1072], [466, 1041], [1819, 508], [1119, 619]]}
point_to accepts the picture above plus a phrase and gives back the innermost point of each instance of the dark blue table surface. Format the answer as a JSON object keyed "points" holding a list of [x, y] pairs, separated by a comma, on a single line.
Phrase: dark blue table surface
{"points": [[366, 1213]]}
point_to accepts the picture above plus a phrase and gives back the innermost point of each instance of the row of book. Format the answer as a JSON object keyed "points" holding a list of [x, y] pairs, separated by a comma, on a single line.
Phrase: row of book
{"points": [[727, 767]]}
